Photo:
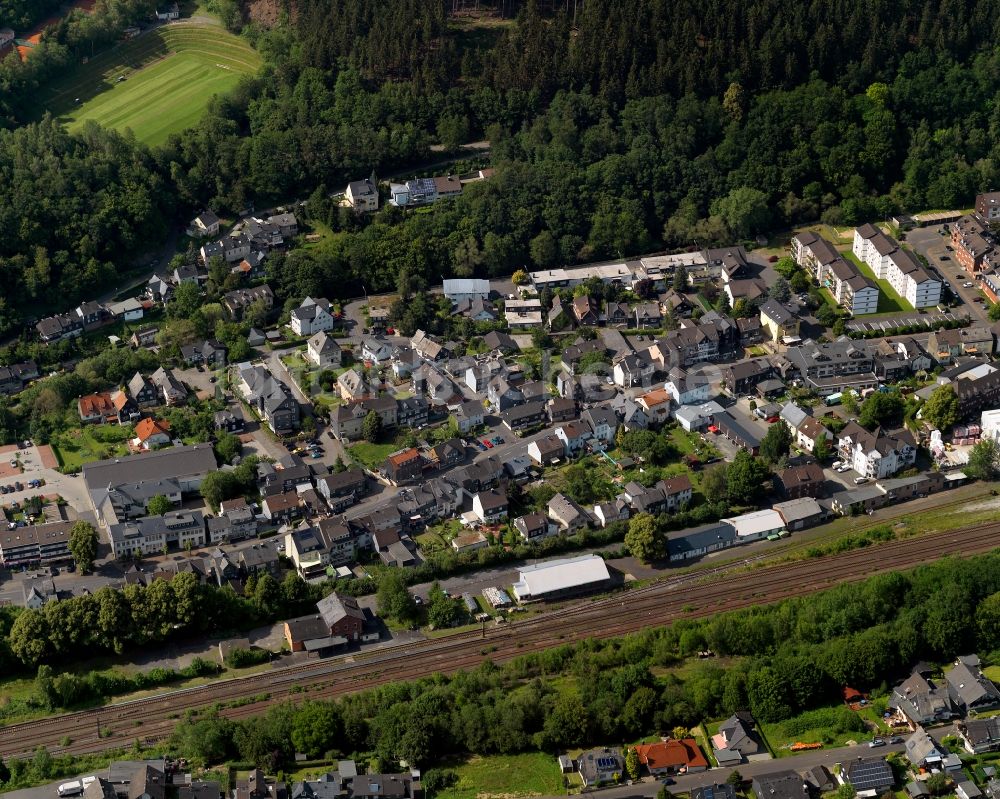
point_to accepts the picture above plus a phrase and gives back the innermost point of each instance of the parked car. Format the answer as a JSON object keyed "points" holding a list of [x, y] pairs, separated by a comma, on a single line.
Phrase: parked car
{"points": [[860, 480], [896, 739], [945, 258], [968, 284], [874, 742]]}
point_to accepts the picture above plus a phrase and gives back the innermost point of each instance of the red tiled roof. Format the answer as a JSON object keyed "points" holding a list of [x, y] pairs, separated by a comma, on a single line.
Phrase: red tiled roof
{"points": [[150, 427], [672, 754], [96, 404]]}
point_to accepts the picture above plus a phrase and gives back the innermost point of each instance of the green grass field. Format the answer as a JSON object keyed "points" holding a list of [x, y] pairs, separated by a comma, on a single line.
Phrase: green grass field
{"points": [[91, 443], [888, 300], [506, 777], [170, 75]]}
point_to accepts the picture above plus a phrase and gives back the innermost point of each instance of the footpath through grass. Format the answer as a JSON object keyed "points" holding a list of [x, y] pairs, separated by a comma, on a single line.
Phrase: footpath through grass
{"points": [[169, 76]]}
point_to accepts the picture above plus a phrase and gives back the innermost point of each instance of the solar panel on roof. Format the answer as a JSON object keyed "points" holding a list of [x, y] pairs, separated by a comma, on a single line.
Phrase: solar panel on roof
{"points": [[868, 775], [606, 763]]}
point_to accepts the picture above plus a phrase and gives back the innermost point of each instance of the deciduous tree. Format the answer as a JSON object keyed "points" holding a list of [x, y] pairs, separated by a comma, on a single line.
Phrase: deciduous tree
{"points": [[83, 544]]}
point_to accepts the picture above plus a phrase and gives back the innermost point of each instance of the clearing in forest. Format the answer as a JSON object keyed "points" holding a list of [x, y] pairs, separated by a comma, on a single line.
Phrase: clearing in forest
{"points": [[156, 84]]}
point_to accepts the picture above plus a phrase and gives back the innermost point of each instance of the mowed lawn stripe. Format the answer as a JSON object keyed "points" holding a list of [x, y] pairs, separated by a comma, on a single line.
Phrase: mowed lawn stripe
{"points": [[170, 75], [164, 98]]}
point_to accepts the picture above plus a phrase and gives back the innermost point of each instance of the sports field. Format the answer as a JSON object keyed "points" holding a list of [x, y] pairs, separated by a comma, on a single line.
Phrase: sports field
{"points": [[169, 75]]}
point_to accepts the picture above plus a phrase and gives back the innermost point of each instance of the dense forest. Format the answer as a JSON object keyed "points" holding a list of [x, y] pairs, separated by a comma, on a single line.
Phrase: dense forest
{"points": [[22, 14], [616, 128]]}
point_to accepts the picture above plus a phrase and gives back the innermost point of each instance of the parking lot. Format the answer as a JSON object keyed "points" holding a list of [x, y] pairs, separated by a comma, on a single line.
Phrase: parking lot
{"points": [[34, 463], [936, 248]]}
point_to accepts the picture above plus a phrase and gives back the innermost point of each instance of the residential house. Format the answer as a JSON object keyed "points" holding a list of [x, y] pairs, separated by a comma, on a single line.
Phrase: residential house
{"points": [[447, 454], [737, 740], [57, 328], [205, 225], [252, 267], [971, 691], [412, 412], [778, 321], [600, 767], [280, 508], [209, 352], [362, 195], [15, 377], [188, 273], [490, 506], [688, 388], [347, 420], [975, 339], [97, 408], [922, 751], [126, 410], [567, 514], [236, 302], [468, 416], [342, 616], [496, 341], [427, 347], [229, 420], [869, 776], [561, 409], [618, 314], [235, 522], [876, 454], [792, 415], [375, 350], [128, 310], [404, 465], [575, 437], [151, 433], [477, 310], [795, 482], [343, 489], [608, 512], [324, 351], [523, 417], [633, 370], [647, 315], [353, 386], [169, 387], [159, 289], [533, 526], [312, 316], [270, 398], [672, 756], [547, 450], [809, 432], [785, 784], [919, 702], [579, 350], [603, 423], [744, 376], [585, 311], [980, 735]]}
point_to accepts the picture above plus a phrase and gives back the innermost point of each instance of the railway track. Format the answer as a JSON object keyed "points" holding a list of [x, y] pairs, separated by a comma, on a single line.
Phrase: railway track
{"points": [[729, 588]]}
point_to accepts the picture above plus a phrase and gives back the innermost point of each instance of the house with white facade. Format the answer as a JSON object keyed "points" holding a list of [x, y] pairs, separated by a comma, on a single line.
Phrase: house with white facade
{"points": [[876, 454], [312, 316]]}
